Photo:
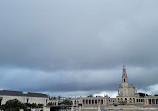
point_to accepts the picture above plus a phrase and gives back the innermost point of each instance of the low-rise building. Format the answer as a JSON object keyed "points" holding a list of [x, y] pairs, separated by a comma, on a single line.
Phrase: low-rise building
{"points": [[30, 97]]}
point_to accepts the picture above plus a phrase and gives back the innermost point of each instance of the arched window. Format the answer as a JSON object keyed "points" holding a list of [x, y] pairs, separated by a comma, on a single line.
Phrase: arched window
{"points": [[83, 101], [89, 101], [95, 101], [86, 101], [92, 101], [124, 80], [102, 101]]}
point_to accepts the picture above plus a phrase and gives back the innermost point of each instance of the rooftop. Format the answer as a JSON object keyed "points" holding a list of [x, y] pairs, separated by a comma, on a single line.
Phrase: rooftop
{"points": [[20, 93]]}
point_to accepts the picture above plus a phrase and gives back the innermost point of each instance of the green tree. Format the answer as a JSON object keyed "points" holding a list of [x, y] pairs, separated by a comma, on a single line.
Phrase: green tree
{"points": [[59, 97], [2, 107], [40, 105], [90, 95], [34, 105], [66, 102], [50, 103], [28, 105], [53, 98], [14, 105]]}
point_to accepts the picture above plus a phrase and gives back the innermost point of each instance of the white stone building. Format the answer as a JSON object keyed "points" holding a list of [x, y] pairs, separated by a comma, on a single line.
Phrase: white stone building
{"points": [[30, 97]]}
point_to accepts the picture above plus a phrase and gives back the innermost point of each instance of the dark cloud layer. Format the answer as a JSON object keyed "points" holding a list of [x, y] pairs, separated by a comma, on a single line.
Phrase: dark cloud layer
{"points": [[74, 46]]}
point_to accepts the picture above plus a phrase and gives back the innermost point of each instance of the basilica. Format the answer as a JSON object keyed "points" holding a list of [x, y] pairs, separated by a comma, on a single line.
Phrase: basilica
{"points": [[127, 95]]}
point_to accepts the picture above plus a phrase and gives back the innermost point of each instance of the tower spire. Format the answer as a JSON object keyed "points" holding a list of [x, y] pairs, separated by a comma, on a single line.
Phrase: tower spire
{"points": [[124, 69], [124, 77]]}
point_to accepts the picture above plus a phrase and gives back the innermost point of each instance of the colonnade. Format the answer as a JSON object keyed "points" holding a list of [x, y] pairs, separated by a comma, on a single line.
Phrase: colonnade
{"points": [[93, 101], [140, 100], [153, 101]]}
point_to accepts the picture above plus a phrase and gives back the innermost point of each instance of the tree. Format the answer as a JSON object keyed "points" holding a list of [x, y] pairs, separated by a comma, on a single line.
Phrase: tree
{"points": [[14, 105], [90, 95], [40, 105], [53, 98], [34, 105], [28, 105], [50, 103], [142, 94], [59, 97], [66, 102], [2, 107]]}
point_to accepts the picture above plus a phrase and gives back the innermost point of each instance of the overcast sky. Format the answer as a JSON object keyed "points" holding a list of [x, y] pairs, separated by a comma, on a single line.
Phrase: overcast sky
{"points": [[78, 47]]}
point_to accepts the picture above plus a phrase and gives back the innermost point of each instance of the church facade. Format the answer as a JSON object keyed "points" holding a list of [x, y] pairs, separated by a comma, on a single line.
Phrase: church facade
{"points": [[127, 93]]}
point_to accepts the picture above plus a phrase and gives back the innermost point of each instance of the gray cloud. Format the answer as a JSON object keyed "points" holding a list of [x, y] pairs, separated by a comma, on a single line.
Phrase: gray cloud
{"points": [[68, 46]]}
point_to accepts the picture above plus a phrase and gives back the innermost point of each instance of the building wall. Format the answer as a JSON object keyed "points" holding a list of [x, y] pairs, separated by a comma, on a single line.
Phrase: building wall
{"points": [[111, 101], [23, 99], [151, 100], [127, 91]]}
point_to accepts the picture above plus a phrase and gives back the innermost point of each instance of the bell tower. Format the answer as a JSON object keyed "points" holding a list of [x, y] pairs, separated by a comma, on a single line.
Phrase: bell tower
{"points": [[124, 77], [126, 91]]}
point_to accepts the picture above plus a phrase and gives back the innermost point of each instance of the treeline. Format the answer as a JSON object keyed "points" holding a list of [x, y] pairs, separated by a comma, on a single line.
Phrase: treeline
{"points": [[15, 105], [64, 102]]}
